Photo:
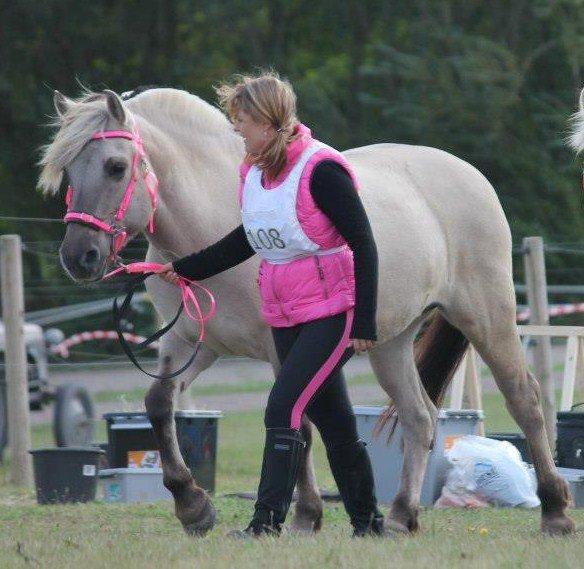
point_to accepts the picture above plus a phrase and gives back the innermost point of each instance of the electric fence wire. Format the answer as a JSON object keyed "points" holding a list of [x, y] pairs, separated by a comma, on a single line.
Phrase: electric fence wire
{"points": [[30, 219]]}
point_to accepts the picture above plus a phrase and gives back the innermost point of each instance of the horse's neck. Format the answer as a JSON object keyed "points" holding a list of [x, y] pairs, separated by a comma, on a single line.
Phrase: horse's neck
{"points": [[197, 200]]}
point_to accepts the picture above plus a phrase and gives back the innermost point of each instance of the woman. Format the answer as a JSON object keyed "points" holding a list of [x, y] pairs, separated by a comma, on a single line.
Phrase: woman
{"points": [[318, 285]]}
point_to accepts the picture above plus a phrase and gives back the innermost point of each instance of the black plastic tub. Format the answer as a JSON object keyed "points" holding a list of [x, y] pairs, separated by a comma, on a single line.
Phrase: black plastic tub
{"points": [[518, 440], [196, 433], [66, 474], [570, 441]]}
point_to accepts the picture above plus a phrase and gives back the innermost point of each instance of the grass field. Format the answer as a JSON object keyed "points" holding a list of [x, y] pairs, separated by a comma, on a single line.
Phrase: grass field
{"points": [[148, 535], [198, 389]]}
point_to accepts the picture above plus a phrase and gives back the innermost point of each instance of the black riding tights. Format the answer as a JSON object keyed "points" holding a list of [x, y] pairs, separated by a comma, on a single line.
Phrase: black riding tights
{"points": [[311, 379]]}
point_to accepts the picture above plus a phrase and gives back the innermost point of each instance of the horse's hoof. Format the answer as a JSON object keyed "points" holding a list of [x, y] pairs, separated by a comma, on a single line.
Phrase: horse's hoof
{"points": [[305, 526], [199, 518], [557, 525], [403, 518], [395, 527], [306, 520], [201, 526]]}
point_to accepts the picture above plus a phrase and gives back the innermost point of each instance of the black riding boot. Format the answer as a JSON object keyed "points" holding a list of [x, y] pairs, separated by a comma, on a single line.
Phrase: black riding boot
{"points": [[282, 454], [353, 474]]}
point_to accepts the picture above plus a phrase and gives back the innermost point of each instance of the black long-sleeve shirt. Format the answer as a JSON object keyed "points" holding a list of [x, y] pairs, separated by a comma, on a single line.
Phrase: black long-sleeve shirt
{"points": [[334, 193]]}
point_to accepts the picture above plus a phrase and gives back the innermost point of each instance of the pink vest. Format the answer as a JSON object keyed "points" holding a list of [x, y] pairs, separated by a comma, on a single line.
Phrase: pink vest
{"points": [[313, 286]]}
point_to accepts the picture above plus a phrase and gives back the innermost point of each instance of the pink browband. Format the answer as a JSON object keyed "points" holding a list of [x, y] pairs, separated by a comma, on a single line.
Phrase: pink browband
{"points": [[189, 299], [119, 234]]}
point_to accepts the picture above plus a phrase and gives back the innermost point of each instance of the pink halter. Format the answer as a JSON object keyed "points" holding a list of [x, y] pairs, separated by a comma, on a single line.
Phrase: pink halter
{"points": [[119, 235], [139, 160]]}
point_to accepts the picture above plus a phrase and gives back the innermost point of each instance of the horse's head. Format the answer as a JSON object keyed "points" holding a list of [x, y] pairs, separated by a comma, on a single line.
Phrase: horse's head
{"points": [[112, 190]]}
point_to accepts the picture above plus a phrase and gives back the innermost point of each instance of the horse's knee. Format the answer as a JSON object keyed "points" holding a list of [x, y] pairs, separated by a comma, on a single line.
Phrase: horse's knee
{"points": [[523, 401], [159, 400], [534, 388], [418, 426]]}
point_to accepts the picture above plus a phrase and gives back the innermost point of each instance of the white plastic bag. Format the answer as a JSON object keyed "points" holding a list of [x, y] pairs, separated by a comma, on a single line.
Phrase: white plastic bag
{"points": [[489, 470]]}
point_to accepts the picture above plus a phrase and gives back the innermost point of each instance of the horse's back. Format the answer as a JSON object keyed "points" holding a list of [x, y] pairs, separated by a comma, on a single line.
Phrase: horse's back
{"points": [[437, 222], [430, 185]]}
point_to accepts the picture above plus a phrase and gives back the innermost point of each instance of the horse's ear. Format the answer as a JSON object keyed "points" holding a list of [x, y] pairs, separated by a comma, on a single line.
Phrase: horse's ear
{"points": [[581, 100], [61, 103], [115, 106]]}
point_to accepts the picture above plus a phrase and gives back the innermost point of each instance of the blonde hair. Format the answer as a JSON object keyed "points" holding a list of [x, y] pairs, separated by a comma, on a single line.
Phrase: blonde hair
{"points": [[267, 98]]}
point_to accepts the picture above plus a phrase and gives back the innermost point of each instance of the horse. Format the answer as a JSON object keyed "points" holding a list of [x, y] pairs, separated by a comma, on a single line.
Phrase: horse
{"points": [[444, 249]]}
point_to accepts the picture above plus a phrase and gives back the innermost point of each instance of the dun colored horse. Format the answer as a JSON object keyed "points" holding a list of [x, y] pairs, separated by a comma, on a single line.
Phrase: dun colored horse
{"points": [[444, 253]]}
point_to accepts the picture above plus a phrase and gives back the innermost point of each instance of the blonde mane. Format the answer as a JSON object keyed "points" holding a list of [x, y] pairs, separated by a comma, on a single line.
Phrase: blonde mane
{"points": [[173, 110], [576, 136]]}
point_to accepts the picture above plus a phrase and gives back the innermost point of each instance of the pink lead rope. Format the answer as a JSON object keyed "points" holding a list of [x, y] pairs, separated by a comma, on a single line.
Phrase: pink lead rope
{"points": [[188, 297]]}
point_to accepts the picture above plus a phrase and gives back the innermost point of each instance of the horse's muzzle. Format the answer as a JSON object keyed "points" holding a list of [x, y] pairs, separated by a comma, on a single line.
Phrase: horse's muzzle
{"points": [[84, 252]]}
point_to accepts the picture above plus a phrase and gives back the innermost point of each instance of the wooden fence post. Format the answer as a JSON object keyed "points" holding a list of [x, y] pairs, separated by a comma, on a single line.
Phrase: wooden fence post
{"points": [[19, 438], [473, 393], [535, 278], [570, 371], [457, 386]]}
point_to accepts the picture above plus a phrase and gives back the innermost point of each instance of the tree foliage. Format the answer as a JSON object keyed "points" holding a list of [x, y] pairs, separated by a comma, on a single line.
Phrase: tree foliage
{"points": [[492, 82]]}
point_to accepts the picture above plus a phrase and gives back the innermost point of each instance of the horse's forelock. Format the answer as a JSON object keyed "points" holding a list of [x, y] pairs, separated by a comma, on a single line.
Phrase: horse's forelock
{"points": [[181, 112], [83, 117]]}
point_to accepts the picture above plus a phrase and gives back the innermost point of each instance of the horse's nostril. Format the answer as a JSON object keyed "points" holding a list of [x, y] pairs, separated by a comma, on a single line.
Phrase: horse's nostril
{"points": [[89, 258]]}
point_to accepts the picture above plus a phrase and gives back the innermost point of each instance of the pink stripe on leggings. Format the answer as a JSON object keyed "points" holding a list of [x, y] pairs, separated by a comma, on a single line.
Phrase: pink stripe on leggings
{"points": [[321, 374]]}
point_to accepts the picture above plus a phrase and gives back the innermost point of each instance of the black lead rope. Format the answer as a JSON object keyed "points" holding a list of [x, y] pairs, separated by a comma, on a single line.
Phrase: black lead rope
{"points": [[120, 311]]}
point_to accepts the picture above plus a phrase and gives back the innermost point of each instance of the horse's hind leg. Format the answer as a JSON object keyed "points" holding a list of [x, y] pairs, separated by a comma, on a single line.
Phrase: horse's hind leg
{"points": [[309, 508], [492, 330], [395, 368], [193, 506]]}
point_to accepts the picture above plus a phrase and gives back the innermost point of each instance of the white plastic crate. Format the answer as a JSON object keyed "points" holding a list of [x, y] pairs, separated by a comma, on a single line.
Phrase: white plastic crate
{"points": [[133, 485]]}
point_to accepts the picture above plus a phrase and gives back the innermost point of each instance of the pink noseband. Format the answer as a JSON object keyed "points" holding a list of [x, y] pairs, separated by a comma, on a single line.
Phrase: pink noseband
{"points": [[139, 159]]}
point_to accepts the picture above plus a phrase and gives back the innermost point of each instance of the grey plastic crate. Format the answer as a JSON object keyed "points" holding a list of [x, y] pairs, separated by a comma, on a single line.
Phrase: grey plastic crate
{"points": [[575, 479], [133, 485], [387, 459]]}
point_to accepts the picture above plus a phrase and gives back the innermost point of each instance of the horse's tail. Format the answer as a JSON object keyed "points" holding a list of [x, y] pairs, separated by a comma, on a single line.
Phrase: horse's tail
{"points": [[438, 352]]}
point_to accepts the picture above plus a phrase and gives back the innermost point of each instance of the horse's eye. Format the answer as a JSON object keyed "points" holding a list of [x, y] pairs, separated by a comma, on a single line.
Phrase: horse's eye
{"points": [[115, 168]]}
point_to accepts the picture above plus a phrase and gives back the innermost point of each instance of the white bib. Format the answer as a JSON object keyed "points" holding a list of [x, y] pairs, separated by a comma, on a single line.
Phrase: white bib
{"points": [[269, 216]]}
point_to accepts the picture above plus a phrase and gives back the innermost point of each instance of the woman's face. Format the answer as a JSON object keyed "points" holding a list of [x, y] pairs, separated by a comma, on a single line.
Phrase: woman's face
{"points": [[255, 135]]}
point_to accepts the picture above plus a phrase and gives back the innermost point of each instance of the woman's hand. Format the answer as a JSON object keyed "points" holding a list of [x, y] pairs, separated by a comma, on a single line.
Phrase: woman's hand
{"points": [[361, 345], [167, 273]]}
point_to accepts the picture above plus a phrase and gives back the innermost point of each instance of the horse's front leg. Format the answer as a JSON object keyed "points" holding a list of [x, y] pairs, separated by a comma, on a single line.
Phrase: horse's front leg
{"points": [[193, 506], [309, 508]]}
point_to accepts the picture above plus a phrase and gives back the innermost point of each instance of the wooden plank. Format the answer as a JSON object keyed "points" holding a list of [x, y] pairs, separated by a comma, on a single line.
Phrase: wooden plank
{"points": [[457, 390], [556, 331], [535, 277], [580, 367]]}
